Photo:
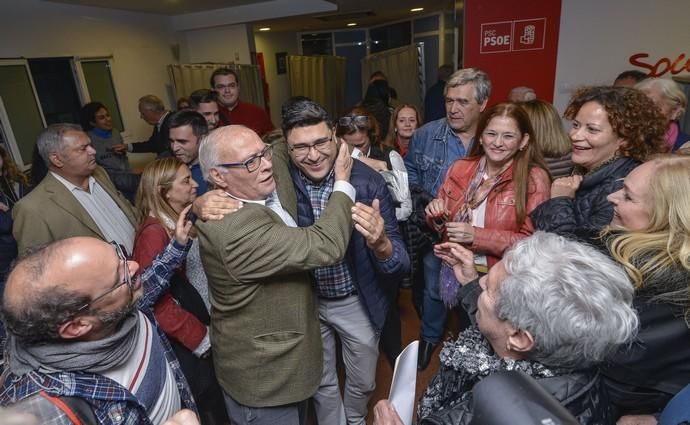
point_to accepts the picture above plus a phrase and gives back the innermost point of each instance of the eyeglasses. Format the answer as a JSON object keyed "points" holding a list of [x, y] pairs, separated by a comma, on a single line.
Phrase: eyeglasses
{"points": [[254, 162], [127, 278], [303, 149], [357, 120]]}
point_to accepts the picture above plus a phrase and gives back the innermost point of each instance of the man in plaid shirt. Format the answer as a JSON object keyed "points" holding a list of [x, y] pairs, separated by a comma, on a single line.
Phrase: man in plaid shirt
{"points": [[352, 301], [80, 327]]}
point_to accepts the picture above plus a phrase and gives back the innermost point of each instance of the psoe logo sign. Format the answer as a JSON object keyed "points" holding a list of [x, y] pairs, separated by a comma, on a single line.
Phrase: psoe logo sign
{"points": [[496, 37], [529, 34]]}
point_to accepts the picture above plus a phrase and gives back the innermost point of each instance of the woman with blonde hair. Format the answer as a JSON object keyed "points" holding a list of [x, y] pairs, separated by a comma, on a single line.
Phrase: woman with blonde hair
{"points": [[671, 100], [166, 189], [404, 121], [650, 237], [550, 137]]}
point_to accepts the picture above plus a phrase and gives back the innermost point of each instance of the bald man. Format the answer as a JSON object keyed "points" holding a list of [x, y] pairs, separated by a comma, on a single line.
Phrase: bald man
{"points": [[257, 262], [82, 337]]}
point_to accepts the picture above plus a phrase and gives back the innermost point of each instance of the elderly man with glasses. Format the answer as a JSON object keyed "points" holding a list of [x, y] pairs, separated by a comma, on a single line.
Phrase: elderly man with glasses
{"points": [[83, 343], [265, 328], [352, 300]]}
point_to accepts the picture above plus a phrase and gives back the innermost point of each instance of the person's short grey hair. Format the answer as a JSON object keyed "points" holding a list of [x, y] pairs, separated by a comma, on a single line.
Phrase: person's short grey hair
{"points": [[575, 301], [151, 103], [522, 94], [209, 151], [52, 139], [301, 111], [671, 90], [480, 79]]}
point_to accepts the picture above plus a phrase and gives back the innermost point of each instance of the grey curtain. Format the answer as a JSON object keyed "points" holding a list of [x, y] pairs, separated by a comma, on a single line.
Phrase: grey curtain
{"points": [[404, 68], [189, 77], [321, 78]]}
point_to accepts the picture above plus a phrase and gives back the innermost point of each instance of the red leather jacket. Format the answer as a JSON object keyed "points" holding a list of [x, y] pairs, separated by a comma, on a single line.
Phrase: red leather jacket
{"points": [[500, 229], [175, 321]]}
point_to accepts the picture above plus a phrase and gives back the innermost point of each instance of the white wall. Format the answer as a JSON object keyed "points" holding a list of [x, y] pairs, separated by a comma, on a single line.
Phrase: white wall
{"points": [[228, 43], [139, 43], [597, 38], [269, 44]]}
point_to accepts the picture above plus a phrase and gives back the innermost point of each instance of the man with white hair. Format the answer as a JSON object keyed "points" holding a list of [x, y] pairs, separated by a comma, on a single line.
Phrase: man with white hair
{"points": [[257, 262]]}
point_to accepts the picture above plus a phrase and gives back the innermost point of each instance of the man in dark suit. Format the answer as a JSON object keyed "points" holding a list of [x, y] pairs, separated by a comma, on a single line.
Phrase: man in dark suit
{"points": [[152, 110], [76, 198], [352, 300], [268, 361]]}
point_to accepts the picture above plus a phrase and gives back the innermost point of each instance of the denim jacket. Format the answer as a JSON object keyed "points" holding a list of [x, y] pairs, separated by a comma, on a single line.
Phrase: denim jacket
{"points": [[428, 157]]}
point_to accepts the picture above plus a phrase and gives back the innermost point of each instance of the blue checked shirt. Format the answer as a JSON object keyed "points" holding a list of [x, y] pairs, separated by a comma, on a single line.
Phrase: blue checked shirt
{"points": [[335, 280], [111, 403]]}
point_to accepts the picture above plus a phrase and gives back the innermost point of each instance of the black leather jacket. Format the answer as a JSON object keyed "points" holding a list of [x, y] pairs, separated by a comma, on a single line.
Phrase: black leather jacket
{"points": [[589, 208], [581, 392]]}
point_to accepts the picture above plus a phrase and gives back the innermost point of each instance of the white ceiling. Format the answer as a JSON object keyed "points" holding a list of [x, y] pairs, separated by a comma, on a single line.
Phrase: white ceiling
{"points": [[280, 15]]}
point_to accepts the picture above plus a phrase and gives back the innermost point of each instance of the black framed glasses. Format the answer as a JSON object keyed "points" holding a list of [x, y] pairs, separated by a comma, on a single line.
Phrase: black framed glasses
{"points": [[321, 145], [127, 280], [356, 120], [254, 162]]}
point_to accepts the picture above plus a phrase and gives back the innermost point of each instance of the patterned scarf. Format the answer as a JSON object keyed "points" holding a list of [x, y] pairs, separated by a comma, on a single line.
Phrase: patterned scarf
{"points": [[466, 361], [477, 191]]}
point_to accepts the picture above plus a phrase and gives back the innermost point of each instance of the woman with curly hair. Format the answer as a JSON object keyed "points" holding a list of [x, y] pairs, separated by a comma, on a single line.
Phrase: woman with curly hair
{"points": [[613, 130], [650, 237]]}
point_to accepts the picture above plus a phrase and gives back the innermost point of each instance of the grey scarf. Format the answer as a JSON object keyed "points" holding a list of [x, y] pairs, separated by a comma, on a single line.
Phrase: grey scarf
{"points": [[83, 356]]}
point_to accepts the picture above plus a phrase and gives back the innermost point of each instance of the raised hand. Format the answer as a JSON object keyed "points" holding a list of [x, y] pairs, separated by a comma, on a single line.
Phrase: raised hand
{"points": [[370, 224], [565, 186], [183, 226], [343, 163], [459, 258]]}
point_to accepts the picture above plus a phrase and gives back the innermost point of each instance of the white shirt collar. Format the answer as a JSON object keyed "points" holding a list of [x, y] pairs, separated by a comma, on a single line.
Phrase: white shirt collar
{"points": [[72, 187]]}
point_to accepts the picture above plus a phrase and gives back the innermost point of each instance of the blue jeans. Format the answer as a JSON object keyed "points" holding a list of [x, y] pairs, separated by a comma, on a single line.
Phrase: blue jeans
{"points": [[678, 409], [434, 313]]}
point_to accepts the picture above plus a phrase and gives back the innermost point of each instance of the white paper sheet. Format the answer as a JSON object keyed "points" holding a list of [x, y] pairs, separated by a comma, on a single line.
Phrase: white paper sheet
{"points": [[404, 384]]}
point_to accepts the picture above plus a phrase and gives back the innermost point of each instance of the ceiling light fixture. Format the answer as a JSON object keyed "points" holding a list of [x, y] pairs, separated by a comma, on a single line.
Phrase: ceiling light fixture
{"points": [[417, 9], [265, 29], [352, 24]]}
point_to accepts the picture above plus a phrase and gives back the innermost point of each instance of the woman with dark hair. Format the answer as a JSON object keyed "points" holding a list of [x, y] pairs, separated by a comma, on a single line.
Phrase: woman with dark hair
{"points": [[111, 152], [360, 129], [613, 130], [485, 199]]}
